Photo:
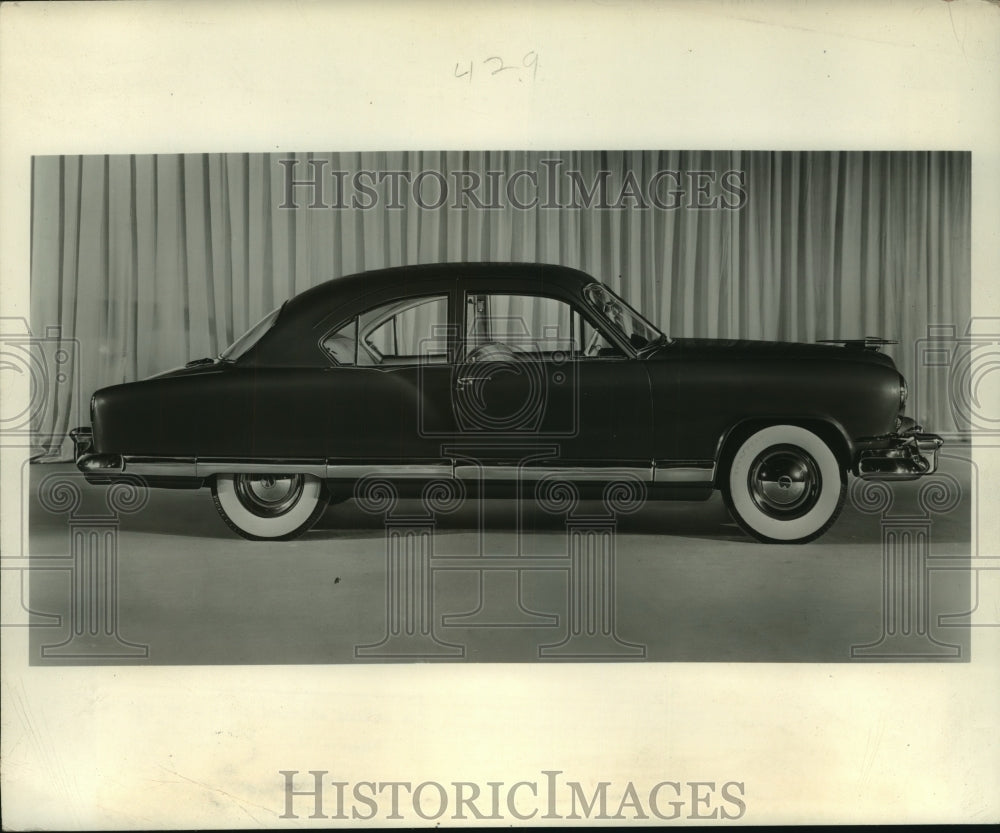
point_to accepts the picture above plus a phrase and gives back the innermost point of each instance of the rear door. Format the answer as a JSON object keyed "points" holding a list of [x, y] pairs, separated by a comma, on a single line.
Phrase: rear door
{"points": [[389, 381]]}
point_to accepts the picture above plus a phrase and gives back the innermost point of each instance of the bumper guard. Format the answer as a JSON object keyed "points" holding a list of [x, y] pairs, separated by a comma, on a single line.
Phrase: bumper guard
{"points": [[905, 455]]}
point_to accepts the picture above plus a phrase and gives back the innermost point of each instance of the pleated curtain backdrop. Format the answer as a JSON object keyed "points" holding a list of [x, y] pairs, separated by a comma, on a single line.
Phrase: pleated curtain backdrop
{"points": [[150, 261]]}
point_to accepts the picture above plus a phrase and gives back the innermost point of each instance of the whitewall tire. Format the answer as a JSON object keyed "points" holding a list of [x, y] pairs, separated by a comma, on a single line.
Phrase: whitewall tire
{"points": [[266, 507], [785, 485]]}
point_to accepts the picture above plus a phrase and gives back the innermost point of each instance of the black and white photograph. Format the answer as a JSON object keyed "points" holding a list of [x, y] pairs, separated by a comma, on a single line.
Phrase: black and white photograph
{"points": [[423, 463], [503, 406]]}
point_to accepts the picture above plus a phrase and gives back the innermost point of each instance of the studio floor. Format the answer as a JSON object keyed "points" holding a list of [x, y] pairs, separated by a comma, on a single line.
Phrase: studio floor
{"points": [[171, 584]]}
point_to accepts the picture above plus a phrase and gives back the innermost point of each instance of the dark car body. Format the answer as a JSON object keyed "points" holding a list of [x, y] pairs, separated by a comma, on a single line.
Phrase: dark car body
{"points": [[583, 398]]}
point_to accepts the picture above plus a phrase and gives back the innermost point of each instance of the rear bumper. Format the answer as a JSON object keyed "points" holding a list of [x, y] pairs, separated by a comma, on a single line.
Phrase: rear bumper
{"points": [[903, 455], [96, 468], [103, 469]]}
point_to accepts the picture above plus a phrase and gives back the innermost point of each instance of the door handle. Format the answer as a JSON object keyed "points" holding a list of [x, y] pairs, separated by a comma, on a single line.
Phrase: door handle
{"points": [[465, 381]]}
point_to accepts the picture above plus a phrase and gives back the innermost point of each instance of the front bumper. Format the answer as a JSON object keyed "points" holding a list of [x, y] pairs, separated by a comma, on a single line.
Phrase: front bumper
{"points": [[906, 454]]}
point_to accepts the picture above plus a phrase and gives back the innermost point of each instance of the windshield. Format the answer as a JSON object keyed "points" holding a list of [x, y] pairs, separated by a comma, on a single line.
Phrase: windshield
{"points": [[631, 326], [250, 337]]}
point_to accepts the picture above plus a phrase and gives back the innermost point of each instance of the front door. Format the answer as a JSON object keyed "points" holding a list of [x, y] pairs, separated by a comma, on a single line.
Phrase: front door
{"points": [[535, 378]]}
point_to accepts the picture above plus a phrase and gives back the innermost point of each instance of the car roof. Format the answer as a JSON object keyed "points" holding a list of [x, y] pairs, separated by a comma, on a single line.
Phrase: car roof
{"points": [[305, 317], [510, 275]]}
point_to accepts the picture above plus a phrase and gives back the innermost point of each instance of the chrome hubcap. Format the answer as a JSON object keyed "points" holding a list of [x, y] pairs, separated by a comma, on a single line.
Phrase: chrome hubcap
{"points": [[268, 496], [784, 482]]}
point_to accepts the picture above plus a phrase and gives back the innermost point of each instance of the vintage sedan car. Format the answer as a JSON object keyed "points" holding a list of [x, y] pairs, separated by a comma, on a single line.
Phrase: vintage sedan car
{"points": [[500, 377]]}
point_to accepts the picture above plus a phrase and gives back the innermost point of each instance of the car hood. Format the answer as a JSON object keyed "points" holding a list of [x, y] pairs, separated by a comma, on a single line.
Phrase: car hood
{"points": [[783, 350]]}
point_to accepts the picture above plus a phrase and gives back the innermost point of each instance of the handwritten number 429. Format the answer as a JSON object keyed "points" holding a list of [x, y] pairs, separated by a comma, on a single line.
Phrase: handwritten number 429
{"points": [[494, 65]]}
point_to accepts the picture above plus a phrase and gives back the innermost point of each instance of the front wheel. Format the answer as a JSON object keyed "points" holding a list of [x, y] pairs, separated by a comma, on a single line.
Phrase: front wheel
{"points": [[264, 507], [785, 485]]}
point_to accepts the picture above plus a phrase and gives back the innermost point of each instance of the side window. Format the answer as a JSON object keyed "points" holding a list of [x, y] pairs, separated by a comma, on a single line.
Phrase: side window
{"points": [[592, 342], [400, 332], [530, 324], [342, 344]]}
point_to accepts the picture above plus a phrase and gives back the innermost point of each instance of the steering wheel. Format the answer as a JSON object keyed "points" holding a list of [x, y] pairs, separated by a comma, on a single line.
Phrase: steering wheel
{"points": [[593, 347], [492, 351]]}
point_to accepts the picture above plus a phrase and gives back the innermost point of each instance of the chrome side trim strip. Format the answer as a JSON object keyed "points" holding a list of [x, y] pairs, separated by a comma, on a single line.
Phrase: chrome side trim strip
{"points": [[351, 471], [193, 467], [600, 474], [160, 466], [697, 472], [208, 467]]}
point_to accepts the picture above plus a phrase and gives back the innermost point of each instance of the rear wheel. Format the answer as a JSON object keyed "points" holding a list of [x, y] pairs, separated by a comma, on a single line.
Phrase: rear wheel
{"points": [[785, 485], [265, 507]]}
